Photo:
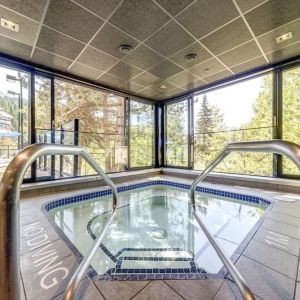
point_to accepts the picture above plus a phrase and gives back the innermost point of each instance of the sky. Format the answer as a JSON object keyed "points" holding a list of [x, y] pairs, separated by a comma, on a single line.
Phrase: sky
{"points": [[10, 86], [235, 101]]}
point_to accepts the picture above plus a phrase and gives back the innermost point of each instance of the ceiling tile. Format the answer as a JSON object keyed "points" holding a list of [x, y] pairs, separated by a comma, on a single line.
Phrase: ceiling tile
{"points": [[207, 68], [176, 92], [165, 69], [186, 80], [58, 43], [170, 39], [240, 54], [139, 18], [14, 48], [143, 57], [272, 14], [29, 8], [84, 71], [132, 87], [205, 16], [229, 36], [27, 31], [218, 76], [71, 19], [162, 86], [102, 8], [96, 59], [268, 40], [124, 70], [284, 53], [149, 93], [195, 48], [110, 38], [249, 65], [160, 97], [175, 6], [246, 5], [50, 60], [145, 79], [112, 81]]}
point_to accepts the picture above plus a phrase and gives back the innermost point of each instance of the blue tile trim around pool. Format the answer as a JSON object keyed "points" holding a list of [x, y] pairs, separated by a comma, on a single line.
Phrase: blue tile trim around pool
{"points": [[194, 272], [79, 198]]}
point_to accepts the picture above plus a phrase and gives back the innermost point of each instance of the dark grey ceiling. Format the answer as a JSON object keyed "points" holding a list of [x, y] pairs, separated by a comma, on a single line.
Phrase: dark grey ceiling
{"points": [[82, 37]]}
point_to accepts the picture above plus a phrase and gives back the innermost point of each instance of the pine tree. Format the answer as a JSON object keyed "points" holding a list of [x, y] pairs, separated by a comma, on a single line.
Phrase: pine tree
{"points": [[209, 120]]}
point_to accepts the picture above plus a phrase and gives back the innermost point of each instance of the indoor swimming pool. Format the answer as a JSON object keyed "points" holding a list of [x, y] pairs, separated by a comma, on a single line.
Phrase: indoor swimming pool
{"points": [[154, 234]]}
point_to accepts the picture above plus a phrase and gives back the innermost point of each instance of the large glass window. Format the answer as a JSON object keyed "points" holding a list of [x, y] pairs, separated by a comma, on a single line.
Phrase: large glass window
{"points": [[45, 164], [239, 112], [177, 134], [14, 114], [101, 124], [290, 114], [141, 134]]}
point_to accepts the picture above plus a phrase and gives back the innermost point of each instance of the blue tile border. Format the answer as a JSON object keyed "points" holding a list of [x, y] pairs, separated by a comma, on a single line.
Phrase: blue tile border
{"points": [[197, 273], [105, 192]]}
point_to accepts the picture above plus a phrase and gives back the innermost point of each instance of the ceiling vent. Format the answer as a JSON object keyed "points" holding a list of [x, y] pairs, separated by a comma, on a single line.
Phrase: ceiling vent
{"points": [[191, 57], [284, 37], [10, 25], [125, 49]]}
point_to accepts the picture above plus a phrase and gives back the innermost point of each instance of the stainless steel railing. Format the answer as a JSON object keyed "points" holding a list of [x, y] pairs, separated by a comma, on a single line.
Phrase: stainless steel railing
{"points": [[10, 216], [285, 148]]}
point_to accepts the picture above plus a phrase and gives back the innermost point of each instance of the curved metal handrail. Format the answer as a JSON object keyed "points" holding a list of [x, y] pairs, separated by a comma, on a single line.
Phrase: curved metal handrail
{"points": [[285, 148], [9, 216]]}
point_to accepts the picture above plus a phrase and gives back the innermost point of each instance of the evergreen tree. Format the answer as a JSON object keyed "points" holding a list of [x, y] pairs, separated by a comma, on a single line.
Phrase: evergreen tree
{"points": [[205, 117], [209, 120]]}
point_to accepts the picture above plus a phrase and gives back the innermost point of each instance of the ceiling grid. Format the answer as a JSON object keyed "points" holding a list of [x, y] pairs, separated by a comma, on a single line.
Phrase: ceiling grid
{"points": [[82, 37]]}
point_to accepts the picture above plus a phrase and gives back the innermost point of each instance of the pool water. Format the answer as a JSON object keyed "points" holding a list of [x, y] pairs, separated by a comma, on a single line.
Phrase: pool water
{"points": [[154, 230]]}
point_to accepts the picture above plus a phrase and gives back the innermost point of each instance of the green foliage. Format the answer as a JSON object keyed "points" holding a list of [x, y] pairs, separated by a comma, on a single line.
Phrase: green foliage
{"points": [[141, 134], [176, 134], [291, 113], [101, 124], [212, 135]]}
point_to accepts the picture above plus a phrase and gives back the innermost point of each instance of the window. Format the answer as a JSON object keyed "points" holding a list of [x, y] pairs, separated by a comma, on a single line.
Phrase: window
{"points": [[101, 124], [290, 114], [141, 134], [45, 164], [239, 112], [177, 134], [14, 114]]}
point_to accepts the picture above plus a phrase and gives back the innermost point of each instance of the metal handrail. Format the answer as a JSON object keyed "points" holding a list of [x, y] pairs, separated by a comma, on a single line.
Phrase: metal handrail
{"points": [[10, 216], [285, 148]]}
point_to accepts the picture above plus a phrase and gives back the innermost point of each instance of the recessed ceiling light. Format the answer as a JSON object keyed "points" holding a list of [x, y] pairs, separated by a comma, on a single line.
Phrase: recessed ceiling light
{"points": [[191, 57], [125, 49], [10, 25], [163, 86], [283, 37]]}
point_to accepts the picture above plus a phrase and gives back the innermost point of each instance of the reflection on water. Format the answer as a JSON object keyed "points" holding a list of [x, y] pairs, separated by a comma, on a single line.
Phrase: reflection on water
{"points": [[159, 208]]}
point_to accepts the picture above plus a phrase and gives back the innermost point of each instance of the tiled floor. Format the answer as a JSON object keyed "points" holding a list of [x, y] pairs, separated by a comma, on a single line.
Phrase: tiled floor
{"points": [[269, 263]]}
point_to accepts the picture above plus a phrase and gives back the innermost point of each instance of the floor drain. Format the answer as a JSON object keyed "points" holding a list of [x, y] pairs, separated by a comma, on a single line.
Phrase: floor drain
{"points": [[159, 233]]}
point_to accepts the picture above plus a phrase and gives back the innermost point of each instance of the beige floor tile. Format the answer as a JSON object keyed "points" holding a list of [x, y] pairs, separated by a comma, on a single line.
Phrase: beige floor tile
{"points": [[157, 290], [225, 293], [120, 290], [196, 289]]}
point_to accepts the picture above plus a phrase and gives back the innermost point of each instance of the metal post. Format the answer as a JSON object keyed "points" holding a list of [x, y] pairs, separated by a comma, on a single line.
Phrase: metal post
{"points": [[21, 112], [10, 213], [288, 149]]}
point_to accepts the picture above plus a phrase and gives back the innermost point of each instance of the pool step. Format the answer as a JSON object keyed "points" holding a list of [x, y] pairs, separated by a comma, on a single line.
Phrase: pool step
{"points": [[155, 253], [155, 261]]}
